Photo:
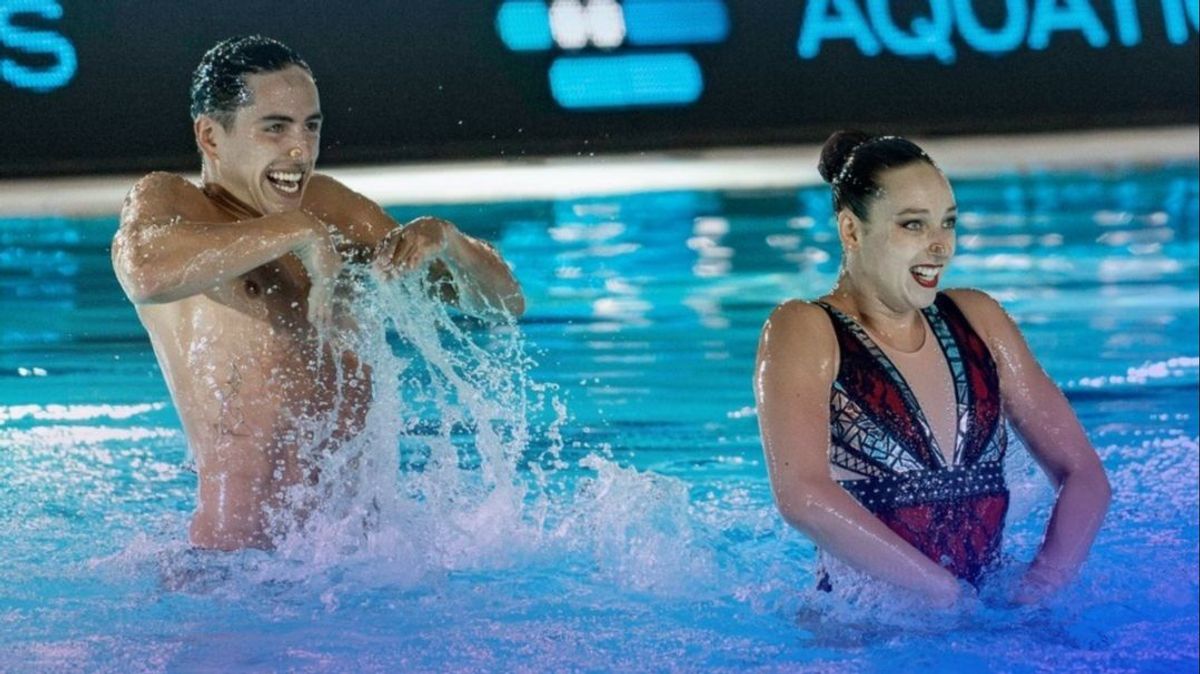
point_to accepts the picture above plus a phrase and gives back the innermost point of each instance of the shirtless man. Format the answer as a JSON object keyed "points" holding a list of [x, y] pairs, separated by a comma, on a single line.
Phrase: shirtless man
{"points": [[234, 282]]}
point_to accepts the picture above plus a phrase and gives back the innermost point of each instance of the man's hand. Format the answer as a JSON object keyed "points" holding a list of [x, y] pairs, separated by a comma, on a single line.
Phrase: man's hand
{"points": [[323, 264], [407, 248]]}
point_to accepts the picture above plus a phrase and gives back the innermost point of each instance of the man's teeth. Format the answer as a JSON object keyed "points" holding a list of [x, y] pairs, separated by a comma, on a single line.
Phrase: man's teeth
{"points": [[927, 273], [288, 181]]}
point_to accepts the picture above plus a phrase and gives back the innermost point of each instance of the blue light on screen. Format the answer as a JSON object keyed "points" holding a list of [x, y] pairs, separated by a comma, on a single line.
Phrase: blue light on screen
{"points": [[35, 42], [663, 22], [524, 25], [611, 72], [626, 80]]}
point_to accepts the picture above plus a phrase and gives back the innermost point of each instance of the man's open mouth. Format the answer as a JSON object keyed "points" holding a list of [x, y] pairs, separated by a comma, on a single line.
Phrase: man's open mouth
{"points": [[287, 182]]}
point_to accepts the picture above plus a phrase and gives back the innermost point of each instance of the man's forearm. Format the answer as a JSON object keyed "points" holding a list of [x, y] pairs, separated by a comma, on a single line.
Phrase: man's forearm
{"points": [[483, 282], [159, 263]]}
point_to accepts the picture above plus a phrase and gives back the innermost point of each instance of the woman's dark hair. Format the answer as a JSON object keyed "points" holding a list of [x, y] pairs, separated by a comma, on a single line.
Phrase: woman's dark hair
{"points": [[851, 162], [219, 83]]}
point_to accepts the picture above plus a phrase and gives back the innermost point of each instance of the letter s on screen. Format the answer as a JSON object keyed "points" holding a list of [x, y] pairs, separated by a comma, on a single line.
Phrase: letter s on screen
{"points": [[21, 39]]}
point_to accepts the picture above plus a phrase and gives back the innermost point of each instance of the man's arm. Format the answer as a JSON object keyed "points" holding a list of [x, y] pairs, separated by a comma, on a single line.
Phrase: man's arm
{"points": [[471, 273], [1042, 416], [480, 283], [161, 253], [796, 367]]}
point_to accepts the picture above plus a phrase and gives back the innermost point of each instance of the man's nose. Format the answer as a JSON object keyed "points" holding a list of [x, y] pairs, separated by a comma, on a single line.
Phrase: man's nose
{"points": [[303, 148]]}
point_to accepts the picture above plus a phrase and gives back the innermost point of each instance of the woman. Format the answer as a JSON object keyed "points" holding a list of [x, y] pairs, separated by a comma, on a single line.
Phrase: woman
{"points": [[882, 405]]}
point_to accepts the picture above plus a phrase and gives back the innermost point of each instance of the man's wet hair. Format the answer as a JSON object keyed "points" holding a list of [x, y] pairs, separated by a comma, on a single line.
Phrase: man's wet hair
{"points": [[219, 83], [852, 161]]}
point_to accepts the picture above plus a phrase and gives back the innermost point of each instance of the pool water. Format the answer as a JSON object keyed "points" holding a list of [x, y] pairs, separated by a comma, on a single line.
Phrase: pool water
{"points": [[611, 511]]}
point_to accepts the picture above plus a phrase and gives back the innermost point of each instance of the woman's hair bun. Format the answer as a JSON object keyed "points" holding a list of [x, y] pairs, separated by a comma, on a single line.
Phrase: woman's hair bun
{"points": [[837, 150]]}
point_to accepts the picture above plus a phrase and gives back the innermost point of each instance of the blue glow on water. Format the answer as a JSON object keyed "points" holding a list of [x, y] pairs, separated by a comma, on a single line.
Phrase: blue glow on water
{"points": [[594, 82], [661, 549]]}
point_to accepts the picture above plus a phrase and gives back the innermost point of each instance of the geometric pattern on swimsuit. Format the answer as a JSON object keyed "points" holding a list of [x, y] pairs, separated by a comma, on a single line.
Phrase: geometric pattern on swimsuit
{"points": [[953, 513]]}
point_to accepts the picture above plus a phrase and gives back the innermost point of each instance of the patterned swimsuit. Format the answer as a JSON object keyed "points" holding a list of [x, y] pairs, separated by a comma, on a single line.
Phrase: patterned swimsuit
{"points": [[954, 513]]}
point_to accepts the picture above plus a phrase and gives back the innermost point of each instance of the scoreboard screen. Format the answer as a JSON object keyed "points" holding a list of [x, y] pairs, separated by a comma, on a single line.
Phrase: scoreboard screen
{"points": [[89, 86]]}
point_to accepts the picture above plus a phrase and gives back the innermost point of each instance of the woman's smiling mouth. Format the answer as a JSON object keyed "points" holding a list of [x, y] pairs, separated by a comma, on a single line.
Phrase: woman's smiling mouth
{"points": [[926, 275]]}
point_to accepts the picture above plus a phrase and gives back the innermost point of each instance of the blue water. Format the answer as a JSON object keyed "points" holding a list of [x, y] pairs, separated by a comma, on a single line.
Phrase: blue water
{"points": [[644, 538]]}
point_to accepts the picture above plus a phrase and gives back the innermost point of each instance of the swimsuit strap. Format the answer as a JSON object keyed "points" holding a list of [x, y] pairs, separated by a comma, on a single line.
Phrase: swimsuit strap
{"points": [[884, 406], [977, 383]]}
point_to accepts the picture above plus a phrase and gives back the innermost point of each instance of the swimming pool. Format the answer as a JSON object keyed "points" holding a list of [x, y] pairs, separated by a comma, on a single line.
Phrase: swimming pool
{"points": [[647, 540]]}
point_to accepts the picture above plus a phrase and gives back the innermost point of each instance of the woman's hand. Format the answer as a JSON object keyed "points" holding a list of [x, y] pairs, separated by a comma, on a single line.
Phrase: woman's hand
{"points": [[1038, 583]]}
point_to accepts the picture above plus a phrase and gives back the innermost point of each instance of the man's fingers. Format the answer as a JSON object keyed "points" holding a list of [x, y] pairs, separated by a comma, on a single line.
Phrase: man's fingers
{"points": [[320, 303], [399, 255]]}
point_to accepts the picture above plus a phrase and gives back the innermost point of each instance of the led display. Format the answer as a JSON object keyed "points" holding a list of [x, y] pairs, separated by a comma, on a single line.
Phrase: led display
{"points": [[91, 86]]}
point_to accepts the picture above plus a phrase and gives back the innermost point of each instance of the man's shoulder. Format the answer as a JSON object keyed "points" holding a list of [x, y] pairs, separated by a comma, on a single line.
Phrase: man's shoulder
{"points": [[163, 181], [162, 194], [335, 203], [322, 187]]}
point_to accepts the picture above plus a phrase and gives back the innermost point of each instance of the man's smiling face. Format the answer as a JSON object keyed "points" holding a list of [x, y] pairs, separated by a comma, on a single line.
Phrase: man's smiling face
{"points": [[266, 157]]}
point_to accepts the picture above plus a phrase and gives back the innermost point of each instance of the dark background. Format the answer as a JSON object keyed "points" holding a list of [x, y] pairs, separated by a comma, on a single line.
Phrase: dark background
{"points": [[431, 79]]}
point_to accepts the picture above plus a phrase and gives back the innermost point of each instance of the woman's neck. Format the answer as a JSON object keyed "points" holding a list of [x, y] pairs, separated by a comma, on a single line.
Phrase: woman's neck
{"points": [[900, 328]]}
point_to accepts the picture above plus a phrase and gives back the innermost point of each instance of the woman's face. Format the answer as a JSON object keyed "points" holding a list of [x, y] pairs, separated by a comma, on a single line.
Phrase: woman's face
{"points": [[908, 238]]}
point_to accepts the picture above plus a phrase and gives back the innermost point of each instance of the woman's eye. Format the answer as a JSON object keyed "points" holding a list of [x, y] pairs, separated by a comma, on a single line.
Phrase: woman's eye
{"points": [[314, 127], [911, 224], [952, 223], [275, 128]]}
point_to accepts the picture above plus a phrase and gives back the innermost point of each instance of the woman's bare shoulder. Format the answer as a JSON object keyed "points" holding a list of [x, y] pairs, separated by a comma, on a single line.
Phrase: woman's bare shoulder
{"points": [[799, 329], [985, 314], [798, 315]]}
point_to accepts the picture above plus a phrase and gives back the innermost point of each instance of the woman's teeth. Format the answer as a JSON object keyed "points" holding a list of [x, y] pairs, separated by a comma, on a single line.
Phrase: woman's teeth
{"points": [[286, 181], [926, 275]]}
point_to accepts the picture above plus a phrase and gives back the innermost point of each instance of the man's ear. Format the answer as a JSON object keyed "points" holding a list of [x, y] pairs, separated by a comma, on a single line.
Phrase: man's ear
{"points": [[850, 229], [209, 135]]}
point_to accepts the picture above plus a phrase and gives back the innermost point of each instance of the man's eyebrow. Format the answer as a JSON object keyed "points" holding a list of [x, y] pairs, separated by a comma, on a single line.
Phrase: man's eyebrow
{"points": [[315, 117]]}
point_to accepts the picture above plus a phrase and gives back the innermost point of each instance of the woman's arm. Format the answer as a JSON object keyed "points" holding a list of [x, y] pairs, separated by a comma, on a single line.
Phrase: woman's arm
{"points": [[1042, 416], [794, 374]]}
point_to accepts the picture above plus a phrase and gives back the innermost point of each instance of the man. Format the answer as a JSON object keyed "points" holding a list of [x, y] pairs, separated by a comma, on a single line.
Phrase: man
{"points": [[234, 282]]}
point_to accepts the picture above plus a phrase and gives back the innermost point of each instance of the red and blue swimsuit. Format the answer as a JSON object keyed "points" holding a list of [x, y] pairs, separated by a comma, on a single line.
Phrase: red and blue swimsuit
{"points": [[953, 513]]}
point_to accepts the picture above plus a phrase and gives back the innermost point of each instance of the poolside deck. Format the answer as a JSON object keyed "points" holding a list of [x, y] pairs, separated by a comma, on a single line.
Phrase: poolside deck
{"points": [[561, 177]]}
